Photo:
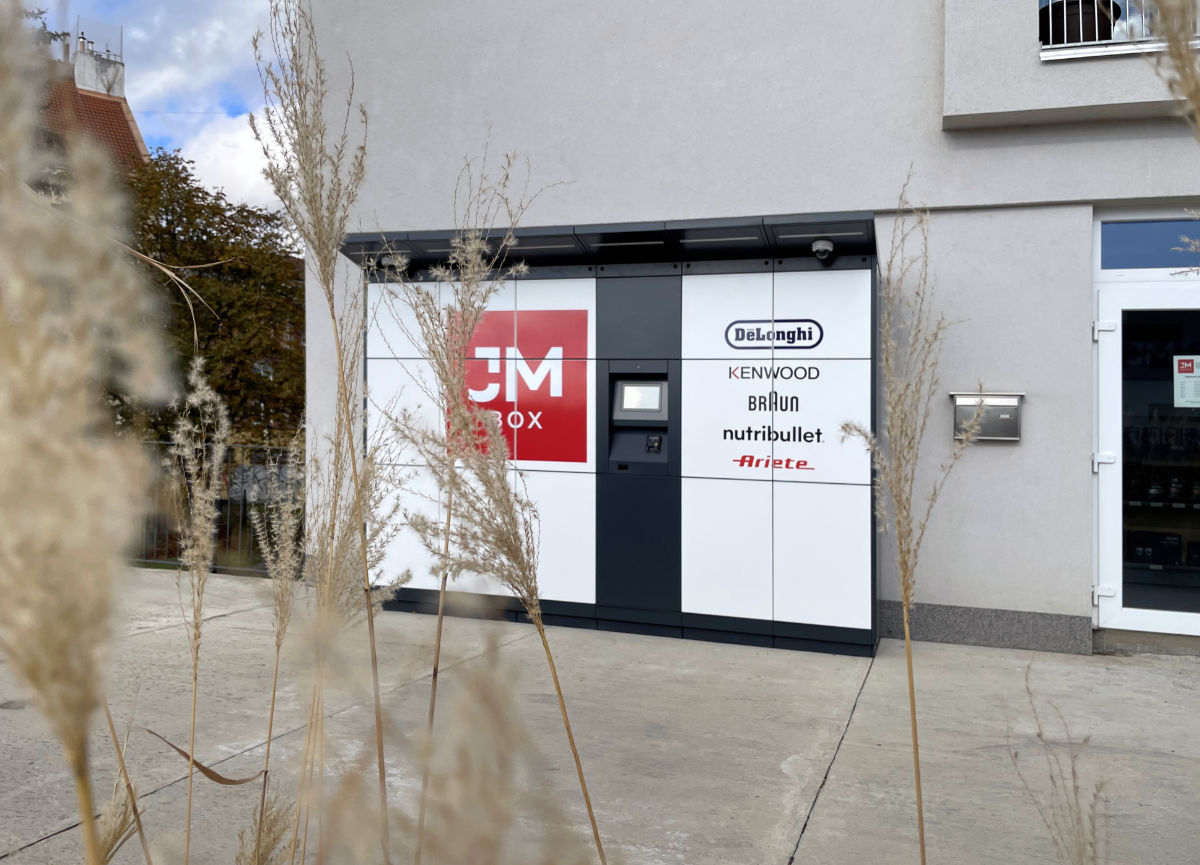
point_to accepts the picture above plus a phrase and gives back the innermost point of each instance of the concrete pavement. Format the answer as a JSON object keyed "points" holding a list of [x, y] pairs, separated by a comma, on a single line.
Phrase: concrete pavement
{"points": [[694, 752]]}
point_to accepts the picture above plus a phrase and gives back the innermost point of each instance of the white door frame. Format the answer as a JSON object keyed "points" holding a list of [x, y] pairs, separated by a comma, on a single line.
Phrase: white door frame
{"points": [[1153, 290]]}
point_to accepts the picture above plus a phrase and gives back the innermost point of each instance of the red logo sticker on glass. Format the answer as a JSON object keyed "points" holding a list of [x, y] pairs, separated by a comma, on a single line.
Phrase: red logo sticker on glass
{"points": [[530, 370]]}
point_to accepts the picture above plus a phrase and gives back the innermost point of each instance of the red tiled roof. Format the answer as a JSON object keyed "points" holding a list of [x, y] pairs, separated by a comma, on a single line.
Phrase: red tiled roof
{"points": [[105, 119]]}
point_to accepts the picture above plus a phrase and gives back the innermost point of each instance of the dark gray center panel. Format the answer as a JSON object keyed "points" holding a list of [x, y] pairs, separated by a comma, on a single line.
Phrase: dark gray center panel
{"points": [[638, 344]]}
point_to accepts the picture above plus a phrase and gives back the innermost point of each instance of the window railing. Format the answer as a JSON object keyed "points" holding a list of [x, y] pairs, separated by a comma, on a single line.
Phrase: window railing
{"points": [[1111, 26], [248, 476]]}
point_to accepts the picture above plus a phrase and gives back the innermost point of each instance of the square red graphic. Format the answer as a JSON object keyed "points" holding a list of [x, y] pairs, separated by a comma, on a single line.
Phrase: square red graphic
{"points": [[1187, 364], [530, 368]]}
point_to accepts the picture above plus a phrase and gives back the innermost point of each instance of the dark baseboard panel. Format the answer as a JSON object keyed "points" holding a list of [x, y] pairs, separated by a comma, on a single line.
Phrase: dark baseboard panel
{"points": [[718, 629], [465, 605], [977, 626]]}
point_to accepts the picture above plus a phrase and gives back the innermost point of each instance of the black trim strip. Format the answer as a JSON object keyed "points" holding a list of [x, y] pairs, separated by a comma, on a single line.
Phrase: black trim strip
{"points": [[727, 624], [692, 626], [665, 618], [823, 633]]}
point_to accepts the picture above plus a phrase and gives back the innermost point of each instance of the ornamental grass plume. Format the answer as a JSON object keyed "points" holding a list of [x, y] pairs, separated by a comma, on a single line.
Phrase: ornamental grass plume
{"points": [[479, 765], [337, 521], [1178, 65], [475, 270], [267, 842], [199, 440], [75, 318], [316, 172], [1075, 819], [911, 333], [115, 825], [279, 529], [1179, 68], [496, 533], [130, 793]]}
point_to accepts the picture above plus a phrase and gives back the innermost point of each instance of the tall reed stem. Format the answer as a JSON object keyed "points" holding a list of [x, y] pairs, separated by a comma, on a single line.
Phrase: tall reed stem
{"points": [[307, 773], [262, 801], [187, 844], [83, 797], [348, 428], [537, 621], [912, 713], [137, 817], [437, 654]]}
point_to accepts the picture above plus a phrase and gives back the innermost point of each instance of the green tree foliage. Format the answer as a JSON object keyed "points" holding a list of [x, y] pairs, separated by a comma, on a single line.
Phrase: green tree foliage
{"points": [[243, 263], [43, 35]]}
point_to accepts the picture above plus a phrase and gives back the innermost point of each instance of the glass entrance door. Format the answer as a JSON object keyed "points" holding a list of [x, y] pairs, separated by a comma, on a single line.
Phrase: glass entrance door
{"points": [[1149, 457]]}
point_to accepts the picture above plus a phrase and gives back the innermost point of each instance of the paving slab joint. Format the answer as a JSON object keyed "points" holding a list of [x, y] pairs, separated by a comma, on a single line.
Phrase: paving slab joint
{"points": [[829, 767]]}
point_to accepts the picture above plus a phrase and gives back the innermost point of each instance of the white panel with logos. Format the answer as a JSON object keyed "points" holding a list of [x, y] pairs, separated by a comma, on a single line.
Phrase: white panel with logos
{"points": [[405, 551], [577, 295], [532, 360], [838, 300], [713, 407], [822, 545], [391, 325], [726, 569], [807, 415], [773, 365], [566, 503], [394, 386], [713, 302]]}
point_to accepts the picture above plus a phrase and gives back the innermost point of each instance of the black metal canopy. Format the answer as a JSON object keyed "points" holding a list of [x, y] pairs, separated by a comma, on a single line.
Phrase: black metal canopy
{"points": [[789, 236]]}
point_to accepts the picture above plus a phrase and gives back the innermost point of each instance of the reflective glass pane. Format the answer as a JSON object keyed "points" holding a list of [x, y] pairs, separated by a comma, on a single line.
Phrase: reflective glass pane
{"points": [[1160, 394], [1148, 244]]}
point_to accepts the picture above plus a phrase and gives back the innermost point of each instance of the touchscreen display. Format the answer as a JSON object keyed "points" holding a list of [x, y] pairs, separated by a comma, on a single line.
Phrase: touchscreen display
{"points": [[641, 397]]}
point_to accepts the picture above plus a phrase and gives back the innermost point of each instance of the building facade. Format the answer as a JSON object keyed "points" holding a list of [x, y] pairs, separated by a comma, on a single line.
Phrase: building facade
{"points": [[1057, 178]]}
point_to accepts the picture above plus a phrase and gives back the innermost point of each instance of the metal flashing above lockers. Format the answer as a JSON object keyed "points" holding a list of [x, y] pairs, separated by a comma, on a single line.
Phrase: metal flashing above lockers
{"points": [[786, 236]]}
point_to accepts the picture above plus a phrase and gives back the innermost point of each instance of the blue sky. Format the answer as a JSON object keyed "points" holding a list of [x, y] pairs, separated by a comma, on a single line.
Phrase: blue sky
{"points": [[189, 78]]}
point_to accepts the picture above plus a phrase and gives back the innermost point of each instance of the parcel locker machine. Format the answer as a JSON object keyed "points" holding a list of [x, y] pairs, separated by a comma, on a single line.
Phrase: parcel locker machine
{"points": [[676, 420]]}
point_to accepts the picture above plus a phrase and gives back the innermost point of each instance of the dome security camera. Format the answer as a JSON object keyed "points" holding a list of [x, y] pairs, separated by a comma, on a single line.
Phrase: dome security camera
{"points": [[822, 249]]}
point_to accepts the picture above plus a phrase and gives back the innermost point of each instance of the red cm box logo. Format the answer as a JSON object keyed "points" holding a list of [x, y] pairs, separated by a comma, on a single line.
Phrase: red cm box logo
{"points": [[530, 369], [1187, 365]]}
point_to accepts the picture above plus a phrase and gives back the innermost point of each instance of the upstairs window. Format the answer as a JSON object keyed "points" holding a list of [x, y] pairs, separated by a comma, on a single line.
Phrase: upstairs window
{"points": [[1120, 24]]}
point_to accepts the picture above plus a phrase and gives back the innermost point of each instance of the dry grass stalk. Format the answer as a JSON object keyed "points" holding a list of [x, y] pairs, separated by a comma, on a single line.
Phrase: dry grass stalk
{"points": [[279, 528], [130, 793], [496, 533], [483, 771], [1075, 820], [911, 333], [474, 792], [1178, 66], [316, 172], [267, 842], [115, 825], [333, 570], [72, 319], [476, 268], [197, 459]]}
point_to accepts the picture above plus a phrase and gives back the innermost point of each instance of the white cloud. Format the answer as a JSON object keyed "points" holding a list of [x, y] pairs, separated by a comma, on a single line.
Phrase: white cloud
{"points": [[188, 66], [228, 157], [178, 52], [180, 55]]}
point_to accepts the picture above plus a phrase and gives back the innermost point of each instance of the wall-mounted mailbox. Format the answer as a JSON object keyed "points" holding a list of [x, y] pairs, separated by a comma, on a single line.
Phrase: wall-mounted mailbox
{"points": [[1000, 418]]}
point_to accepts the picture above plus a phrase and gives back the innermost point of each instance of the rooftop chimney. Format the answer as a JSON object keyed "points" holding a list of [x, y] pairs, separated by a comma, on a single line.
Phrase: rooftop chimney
{"points": [[99, 73]]}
